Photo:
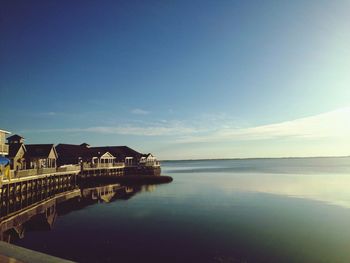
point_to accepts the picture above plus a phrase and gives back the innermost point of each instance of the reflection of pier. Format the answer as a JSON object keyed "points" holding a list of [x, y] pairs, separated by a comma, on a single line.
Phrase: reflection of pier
{"points": [[33, 197], [44, 212], [21, 213]]}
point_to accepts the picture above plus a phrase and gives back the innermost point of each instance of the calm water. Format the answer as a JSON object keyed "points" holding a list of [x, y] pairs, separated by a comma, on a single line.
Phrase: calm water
{"points": [[264, 210]]}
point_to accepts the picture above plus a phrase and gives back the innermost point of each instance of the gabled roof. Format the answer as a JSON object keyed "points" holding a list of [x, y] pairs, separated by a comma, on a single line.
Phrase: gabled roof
{"points": [[121, 152], [15, 137], [74, 152], [93, 152], [39, 150], [14, 148], [107, 155], [71, 151]]}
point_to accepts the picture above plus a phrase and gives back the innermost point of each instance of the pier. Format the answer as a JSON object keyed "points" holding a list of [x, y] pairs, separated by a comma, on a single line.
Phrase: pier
{"points": [[44, 212], [24, 197], [38, 182]]}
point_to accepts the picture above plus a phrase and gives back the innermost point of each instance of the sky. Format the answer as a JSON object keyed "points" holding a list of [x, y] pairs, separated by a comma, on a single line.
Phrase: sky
{"points": [[181, 79]]}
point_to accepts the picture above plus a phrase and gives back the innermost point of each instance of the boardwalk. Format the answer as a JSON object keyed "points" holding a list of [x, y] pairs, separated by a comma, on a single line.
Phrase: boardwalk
{"points": [[35, 193]]}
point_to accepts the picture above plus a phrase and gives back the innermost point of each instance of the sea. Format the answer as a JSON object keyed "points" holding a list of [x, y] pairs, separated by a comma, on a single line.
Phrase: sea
{"points": [[240, 211]]}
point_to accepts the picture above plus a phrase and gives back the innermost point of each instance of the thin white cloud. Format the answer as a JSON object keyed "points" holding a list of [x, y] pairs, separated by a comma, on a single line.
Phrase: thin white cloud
{"points": [[50, 113], [156, 130], [138, 111], [44, 114], [331, 124], [152, 129], [334, 124]]}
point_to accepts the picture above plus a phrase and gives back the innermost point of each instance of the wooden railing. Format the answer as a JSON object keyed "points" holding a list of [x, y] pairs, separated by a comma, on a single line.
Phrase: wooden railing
{"points": [[41, 171], [24, 173], [69, 168], [150, 163], [103, 165]]}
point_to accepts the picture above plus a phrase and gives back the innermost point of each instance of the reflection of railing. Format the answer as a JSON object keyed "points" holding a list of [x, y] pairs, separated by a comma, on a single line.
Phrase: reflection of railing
{"points": [[4, 148]]}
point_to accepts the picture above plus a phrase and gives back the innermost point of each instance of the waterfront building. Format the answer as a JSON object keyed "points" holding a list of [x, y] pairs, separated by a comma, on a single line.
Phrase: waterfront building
{"points": [[4, 149], [4, 162], [15, 139], [84, 155], [17, 152], [149, 160], [124, 154], [40, 156], [93, 156]]}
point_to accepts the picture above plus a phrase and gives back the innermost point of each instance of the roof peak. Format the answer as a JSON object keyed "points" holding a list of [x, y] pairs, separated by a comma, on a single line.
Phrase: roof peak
{"points": [[16, 135]]}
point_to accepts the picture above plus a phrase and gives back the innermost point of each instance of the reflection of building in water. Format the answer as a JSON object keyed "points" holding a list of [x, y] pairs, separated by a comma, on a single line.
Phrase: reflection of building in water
{"points": [[103, 193], [149, 188], [41, 210], [15, 219]]}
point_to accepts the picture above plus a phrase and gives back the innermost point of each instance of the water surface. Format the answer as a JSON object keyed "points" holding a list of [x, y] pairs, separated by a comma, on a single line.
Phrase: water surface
{"points": [[258, 210]]}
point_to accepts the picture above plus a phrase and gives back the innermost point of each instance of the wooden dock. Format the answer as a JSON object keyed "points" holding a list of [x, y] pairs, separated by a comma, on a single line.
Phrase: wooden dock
{"points": [[35, 193]]}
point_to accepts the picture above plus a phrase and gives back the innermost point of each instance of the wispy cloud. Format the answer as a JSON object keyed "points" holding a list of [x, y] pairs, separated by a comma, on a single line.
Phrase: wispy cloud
{"points": [[139, 111], [219, 129], [152, 129], [49, 113], [331, 124]]}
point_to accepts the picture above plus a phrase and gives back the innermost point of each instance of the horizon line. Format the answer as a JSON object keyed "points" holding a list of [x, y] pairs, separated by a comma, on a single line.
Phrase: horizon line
{"points": [[254, 158]]}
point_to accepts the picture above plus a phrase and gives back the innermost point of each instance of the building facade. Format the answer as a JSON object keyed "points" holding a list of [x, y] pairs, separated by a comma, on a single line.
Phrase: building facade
{"points": [[4, 148]]}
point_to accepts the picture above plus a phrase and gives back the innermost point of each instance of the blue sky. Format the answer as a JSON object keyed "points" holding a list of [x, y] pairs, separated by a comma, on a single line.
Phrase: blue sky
{"points": [[182, 79]]}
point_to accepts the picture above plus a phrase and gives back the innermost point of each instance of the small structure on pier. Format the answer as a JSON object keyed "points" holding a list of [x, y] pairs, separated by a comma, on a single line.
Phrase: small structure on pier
{"points": [[124, 154], [149, 160]]}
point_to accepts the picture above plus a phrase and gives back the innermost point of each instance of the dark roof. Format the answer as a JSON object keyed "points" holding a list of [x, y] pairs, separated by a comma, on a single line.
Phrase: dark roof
{"points": [[38, 150], [73, 152], [15, 137], [68, 151], [13, 149], [120, 151]]}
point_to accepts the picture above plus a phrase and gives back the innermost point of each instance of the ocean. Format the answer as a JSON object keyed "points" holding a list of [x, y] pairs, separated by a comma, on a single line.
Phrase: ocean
{"points": [[252, 210]]}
